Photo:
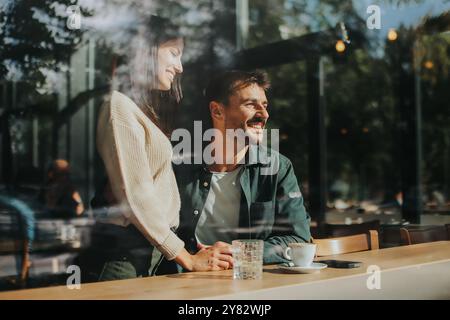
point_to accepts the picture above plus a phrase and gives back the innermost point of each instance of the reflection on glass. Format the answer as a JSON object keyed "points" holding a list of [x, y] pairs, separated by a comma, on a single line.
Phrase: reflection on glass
{"points": [[53, 80]]}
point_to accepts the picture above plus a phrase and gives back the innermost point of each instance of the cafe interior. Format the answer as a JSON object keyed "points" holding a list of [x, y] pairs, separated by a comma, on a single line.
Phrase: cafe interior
{"points": [[360, 96]]}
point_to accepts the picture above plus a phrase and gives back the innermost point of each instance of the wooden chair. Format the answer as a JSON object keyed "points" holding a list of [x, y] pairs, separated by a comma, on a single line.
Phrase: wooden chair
{"points": [[354, 243], [422, 234]]}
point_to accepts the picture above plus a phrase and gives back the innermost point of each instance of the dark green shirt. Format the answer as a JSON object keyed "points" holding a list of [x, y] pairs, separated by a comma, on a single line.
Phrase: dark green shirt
{"points": [[271, 205]]}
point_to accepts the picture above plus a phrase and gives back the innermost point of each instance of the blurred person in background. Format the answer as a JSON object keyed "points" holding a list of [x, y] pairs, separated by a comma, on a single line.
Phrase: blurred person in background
{"points": [[59, 195], [22, 232]]}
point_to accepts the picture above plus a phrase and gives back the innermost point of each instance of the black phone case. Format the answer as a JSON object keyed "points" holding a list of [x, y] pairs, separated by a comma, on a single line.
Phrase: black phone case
{"points": [[340, 264]]}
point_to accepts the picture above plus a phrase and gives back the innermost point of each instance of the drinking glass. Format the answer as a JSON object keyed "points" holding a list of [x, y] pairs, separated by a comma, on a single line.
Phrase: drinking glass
{"points": [[247, 259]]}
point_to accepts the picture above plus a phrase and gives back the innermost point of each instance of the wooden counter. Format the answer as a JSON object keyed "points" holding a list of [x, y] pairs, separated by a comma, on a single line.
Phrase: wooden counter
{"points": [[410, 272]]}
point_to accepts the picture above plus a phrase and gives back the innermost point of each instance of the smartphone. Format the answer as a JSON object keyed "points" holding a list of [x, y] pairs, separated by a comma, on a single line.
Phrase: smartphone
{"points": [[341, 264]]}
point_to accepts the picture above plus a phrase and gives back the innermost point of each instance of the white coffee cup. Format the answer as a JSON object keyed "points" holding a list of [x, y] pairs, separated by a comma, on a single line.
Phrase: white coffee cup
{"points": [[301, 254]]}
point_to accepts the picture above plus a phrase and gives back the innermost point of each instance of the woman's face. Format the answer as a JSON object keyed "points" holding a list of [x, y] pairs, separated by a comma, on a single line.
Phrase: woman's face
{"points": [[169, 62]]}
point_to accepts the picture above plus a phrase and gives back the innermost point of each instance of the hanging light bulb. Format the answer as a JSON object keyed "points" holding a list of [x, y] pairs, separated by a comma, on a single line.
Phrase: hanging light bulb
{"points": [[340, 46], [428, 64], [392, 35]]}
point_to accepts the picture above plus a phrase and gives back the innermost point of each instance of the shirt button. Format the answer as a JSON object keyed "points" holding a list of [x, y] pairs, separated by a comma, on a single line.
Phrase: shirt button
{"points": [[196, 212], [205, 184]]}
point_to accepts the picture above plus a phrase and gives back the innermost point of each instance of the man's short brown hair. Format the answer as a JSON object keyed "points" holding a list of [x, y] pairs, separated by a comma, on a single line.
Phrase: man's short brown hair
{"points": [[222, 86]]}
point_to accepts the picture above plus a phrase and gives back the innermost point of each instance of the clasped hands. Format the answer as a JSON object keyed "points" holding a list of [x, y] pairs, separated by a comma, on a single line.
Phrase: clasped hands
{"points": [[213, 258]]}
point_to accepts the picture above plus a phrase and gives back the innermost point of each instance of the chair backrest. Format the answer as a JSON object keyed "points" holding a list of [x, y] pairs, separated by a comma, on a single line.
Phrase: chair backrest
{"points": [[447, 226], [341, 230], [422, 234], [354, 243]]}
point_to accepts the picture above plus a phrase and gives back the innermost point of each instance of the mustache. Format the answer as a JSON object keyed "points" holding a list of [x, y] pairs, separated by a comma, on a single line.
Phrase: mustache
{"points": [[257, 119]]}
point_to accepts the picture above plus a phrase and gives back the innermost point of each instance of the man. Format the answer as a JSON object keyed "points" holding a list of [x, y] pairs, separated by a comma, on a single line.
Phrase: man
{"points": [[235, 196]]}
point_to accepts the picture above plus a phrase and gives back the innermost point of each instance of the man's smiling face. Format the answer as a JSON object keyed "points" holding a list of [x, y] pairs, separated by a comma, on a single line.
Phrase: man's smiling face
{"points": [[247, 110]]}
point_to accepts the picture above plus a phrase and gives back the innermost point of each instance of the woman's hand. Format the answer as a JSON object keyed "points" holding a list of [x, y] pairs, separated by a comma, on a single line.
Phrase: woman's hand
{"points": [[208, 258], [211, 258]]}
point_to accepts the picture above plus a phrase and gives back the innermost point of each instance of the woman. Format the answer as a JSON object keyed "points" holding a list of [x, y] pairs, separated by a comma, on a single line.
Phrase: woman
{"points": [[132, 141]]}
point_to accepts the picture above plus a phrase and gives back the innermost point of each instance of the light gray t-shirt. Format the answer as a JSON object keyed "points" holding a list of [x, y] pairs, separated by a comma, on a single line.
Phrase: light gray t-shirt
{"points": [[221, 211]]}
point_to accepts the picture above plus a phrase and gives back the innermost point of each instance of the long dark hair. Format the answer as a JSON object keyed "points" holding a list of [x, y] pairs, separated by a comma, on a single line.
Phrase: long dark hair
{"points": [[137, 71]]}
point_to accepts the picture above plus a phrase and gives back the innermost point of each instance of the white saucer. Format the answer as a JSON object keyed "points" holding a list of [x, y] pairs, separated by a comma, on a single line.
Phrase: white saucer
{"points": [[314, 267]]}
